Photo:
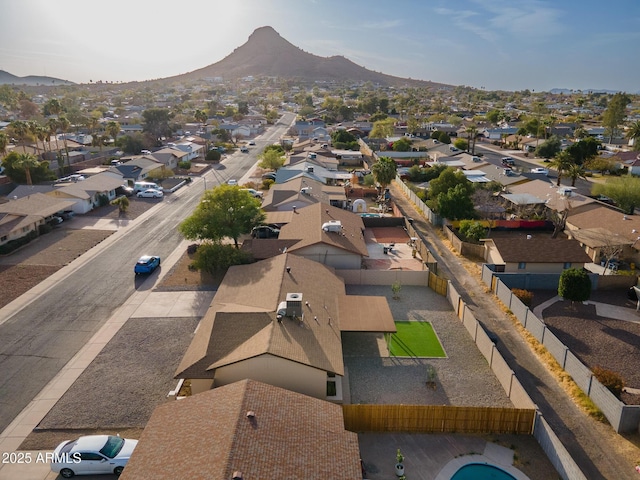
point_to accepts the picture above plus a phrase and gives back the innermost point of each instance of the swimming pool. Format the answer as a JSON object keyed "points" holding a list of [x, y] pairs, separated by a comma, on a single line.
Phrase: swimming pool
{"points": [[373, 215], [481, 471]]}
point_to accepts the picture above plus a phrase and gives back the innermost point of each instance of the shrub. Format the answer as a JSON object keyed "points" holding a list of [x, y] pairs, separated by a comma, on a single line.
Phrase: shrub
{"points": [[612, 380], [12, 245], [525, 296], [213, 156], [472, 231], [574, 285], [185, 165], [103, 200], [266, 183], [214, 257]]}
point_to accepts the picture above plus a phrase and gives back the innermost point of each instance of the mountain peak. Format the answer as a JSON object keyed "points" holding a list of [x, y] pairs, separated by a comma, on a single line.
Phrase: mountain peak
{"points": [[266, 53]]}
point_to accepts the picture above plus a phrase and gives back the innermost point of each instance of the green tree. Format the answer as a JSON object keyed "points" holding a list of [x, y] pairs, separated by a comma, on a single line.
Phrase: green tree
{"points": [[472, 230], [4, 141], [614, 115], [216, 257], [38, 171], [382, 128], [574, 172], [448, 179], [601, 164], [113, 129], [625, 191], [122, 203], [27, 163], [583, 150], [384, 171], [633, 133], [550, 148], [132, 144], [455, 204], [342, 136], [441, 137], [574, 285], [52, 107], [472, 133], [213, 156], [493, 116], [64, 125], [225, 211], [156, 123], [402, 145], [271, 159], [243, 108], [561, 163], [461, 143]]}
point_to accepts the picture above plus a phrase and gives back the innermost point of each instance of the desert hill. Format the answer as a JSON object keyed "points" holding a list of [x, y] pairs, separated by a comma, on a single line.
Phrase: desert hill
{"points": [[7, 78], [266, 53]]}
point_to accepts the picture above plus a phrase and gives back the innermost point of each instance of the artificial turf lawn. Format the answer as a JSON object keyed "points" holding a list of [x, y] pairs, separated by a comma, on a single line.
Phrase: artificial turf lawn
{"points": [[415, 339]]}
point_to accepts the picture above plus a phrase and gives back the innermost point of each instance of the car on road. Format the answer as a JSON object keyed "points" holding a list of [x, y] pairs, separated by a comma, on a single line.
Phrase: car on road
{"points": [[232, 182], [508, 161], [253, 192], [244, 149], [252, 143], [150, 193], [265, 231], [543, 171], [147, 264], [92, 454]]}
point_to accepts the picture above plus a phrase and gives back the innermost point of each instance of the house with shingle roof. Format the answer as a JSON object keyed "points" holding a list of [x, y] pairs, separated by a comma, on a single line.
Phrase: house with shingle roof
{"points": [[23, 215], [328, 235], [622, 230], [302, 191], [534, 252], [278, 321], [137, 168], [248, 430]]}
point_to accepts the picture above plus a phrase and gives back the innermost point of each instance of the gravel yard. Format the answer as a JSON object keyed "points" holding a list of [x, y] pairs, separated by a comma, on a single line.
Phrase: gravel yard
{"points": [[463, 378], [128, 379]]}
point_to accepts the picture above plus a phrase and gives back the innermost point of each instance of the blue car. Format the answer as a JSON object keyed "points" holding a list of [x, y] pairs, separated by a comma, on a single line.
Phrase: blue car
{"points": [[147, 264]]}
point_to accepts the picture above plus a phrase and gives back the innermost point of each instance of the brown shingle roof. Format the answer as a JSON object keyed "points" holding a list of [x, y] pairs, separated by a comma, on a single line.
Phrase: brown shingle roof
{"points": [[37, 204], [209, 436], [307, 227], [241, 322], [515, 247], [596, 215], [365, 314]]}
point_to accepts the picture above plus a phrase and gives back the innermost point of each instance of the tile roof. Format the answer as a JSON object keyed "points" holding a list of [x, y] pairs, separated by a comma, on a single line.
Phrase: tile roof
{"points": [[241, 322], [209, 436], [538, 247], [306, 226]]}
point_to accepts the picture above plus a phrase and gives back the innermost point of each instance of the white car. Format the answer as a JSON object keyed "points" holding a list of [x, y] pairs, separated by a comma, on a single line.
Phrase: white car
{"points": [[232, 182], [253, 192], [544, 171], [92, 454], [150, 193], [251, 143]]}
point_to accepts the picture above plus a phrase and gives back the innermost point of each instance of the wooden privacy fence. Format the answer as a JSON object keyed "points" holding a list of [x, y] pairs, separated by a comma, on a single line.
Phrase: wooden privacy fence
{"points": [[437, 284], [438, 419]]}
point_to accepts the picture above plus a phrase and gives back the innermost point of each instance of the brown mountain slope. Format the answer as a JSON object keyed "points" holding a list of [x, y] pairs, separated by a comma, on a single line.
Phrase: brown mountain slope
{"points": [[266, 53]]}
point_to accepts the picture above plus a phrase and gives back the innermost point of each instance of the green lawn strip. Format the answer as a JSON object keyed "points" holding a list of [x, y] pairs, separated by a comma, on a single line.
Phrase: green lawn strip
{"points": [[415, 339]]}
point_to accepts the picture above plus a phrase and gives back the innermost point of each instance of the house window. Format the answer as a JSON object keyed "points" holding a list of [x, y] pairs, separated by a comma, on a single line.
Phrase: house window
{"points": [[566, 265], [331, 388], [522, 265], [3, 238]]}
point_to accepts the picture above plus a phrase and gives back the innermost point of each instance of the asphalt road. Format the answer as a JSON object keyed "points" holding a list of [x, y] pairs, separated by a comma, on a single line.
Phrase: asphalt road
{"points": [[40, 339]]}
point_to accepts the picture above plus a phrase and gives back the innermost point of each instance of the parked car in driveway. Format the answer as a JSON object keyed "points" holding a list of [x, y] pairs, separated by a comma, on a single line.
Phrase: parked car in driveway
{"points": [[253, 192], [67, 214], [147, 264], [150, 193], [232, 182], [92, 454], [55, 220], [125, 190], [269, 176], [265, 231]]}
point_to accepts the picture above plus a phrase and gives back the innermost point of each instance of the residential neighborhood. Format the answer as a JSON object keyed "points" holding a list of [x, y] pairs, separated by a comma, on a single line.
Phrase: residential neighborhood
{"points": [[347, 274]]}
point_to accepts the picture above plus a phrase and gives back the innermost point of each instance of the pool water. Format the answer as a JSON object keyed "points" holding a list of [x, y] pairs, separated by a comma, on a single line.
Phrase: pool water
{"points": [[481, 471]]}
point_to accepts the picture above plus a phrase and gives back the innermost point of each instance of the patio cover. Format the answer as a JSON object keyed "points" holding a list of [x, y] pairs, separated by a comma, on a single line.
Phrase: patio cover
{"points": [[362, 313]]}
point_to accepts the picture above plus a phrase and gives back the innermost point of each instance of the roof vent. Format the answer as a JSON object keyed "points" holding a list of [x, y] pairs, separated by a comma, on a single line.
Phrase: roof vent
{"points": [[237, 475], [251, 414], [529, 237], [305, 190], [309, 169]]}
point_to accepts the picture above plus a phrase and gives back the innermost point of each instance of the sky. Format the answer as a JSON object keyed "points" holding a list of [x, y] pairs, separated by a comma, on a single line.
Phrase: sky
{"points": [[491, 44]]}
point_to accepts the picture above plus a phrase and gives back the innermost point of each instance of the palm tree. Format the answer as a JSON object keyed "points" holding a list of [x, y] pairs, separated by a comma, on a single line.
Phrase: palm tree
{"points": [[575, 171], [64, 124], [113, 129], [472, 131], [52, 125], [27, 161], [562, 162], [634, 134]]}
